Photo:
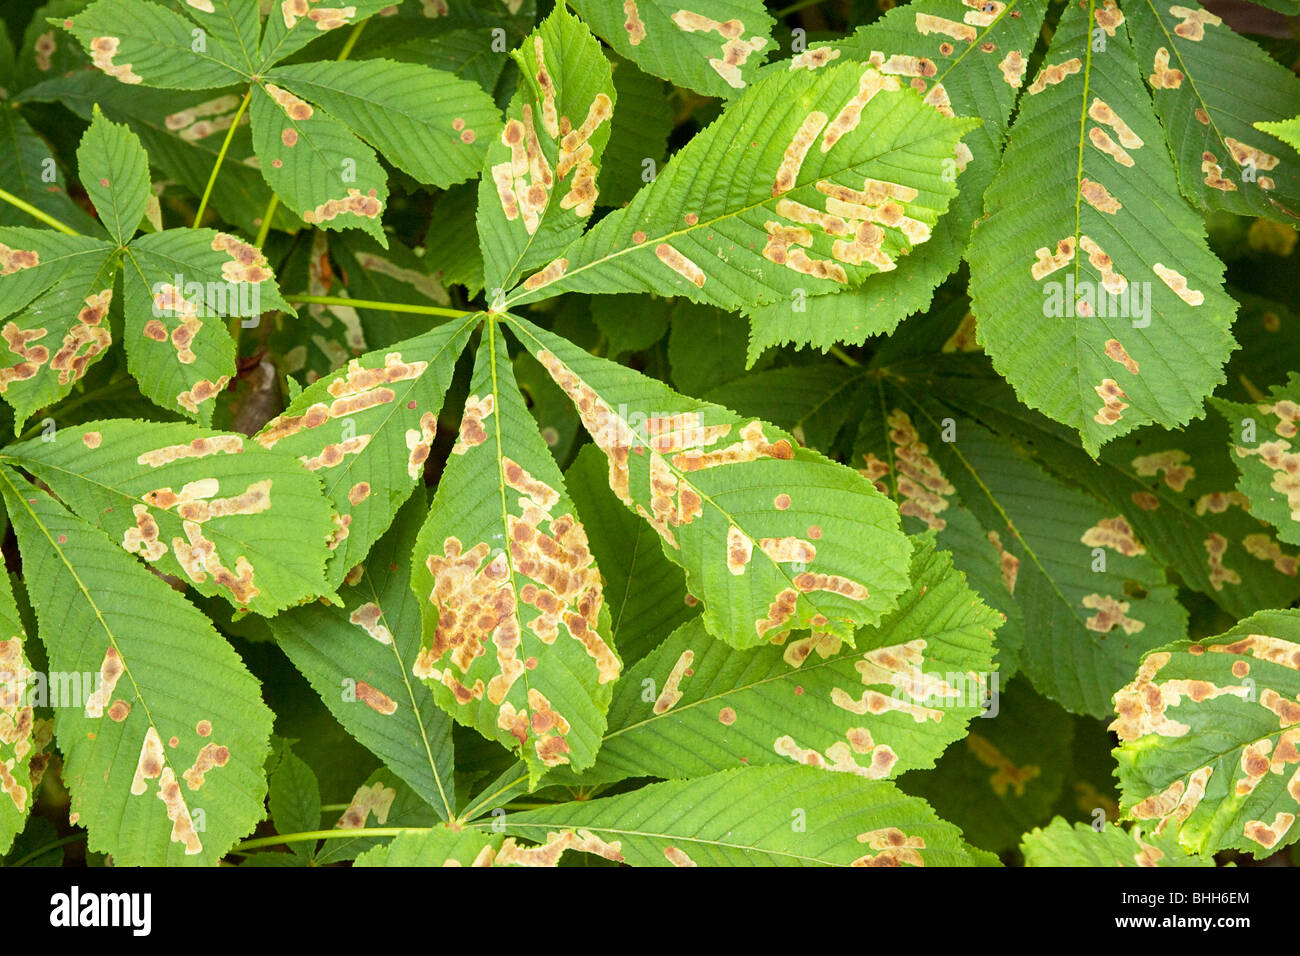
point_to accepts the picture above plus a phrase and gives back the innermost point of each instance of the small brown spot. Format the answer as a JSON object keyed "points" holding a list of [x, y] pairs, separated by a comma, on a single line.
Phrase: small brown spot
{"points": [[727, 716], [204, 728]]}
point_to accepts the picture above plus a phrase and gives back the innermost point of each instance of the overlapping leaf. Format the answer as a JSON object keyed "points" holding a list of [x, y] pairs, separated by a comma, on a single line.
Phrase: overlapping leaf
{"points": [[646, 592], [163, 752], [136, 41], [1005, 775], [969, 59], [432, 125], [539, 182], [1174, 489], [1208, 738], [17, 721], [210, 508], [773, 537], [366, 431], [892, 704], [1210, 87], [314, 162], [1092, 599], [1266, 450], [750, 816], [714, 47], [358, 658], [806, 185], [1060, 844], [514, 617], [1098, 298], [55, 292], [179, 287]]}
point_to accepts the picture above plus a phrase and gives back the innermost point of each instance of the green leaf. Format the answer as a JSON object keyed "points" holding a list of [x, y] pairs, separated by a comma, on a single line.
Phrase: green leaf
{"points": [[784, 196], [384, 800], [1264, 437], [181, 286], [26, 165], [1174, 489], [712, 48], [1092, 598], [539, 179], [183, 134], [640, 132], [293, 797], [503, 560], [316, 165], [358, 658], [892, 704], [1288, 130], [646, 592], [1208, 737], [173, 744], [366, 431], [17, 792], [976, 61], [751, 816], [140, 42], [731, 499], [1060, 844], [115, 173], [235, 24], [1108, 228], [395, 275], [1211, 86], [813, 402], [440, 846], [429, 123], [210, 508], [291, 27], [1007, 773], [61, 287]]}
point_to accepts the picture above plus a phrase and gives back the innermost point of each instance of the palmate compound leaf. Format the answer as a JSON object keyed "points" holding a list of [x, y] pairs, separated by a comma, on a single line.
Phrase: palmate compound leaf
{"points": [[1266, 451], [748, 816], [893, 703], [165, 734], [17, 720], [1210, 87], [366, 431], [179, 286], [773, 536], [1060, 844], [1208, 738], [1091, 598], [1097, 297], [358, 658], [806, 185], [211, 508], [968, 57], [714, 47], [539, 182], [514, 616]]}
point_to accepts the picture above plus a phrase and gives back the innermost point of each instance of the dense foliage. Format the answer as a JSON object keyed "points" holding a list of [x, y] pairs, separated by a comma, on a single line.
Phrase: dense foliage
{"points": [[669, 433]]}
